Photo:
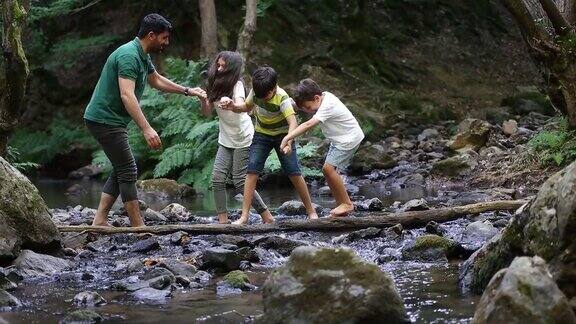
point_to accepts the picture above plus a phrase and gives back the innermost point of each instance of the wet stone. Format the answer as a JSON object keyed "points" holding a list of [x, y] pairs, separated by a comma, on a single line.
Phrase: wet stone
{"points": [[89, 298], [82, 316], [147, 245]]}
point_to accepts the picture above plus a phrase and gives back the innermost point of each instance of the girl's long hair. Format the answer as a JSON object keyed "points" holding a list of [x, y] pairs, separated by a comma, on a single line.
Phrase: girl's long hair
{"points": [[221, 83]]}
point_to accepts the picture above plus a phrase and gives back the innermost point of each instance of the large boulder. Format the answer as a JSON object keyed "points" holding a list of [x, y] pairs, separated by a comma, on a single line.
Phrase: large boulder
{"points": [[472, 134], [165, 188], [330, 286], [370, 157], [30, 265], [24, 217], [545, 227], [524, 293]]}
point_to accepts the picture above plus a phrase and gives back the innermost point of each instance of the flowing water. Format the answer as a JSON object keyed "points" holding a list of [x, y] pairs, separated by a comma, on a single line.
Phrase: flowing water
{"points": [[429, 290]]}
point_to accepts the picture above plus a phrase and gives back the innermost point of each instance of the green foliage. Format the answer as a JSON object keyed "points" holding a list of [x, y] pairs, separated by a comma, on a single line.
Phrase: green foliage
{"points": [[60, 138], [68, 49], [304, 153], [555, 146], [53, 9], [13, 157]]}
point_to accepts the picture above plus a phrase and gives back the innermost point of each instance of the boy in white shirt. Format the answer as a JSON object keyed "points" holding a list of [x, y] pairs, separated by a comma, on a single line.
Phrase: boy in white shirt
{"points": [[339, 126]]}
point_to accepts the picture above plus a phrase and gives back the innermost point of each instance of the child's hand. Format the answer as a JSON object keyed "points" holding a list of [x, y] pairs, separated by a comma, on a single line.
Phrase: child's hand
{"points": [[284, 143], [285, 147], [226, 103], [287, 150]]}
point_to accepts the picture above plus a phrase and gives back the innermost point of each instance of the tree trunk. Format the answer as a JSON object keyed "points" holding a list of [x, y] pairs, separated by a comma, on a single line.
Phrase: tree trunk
{"points": [[548, 28], [248, 30], [411, 219], [209, 44], [13, 69]]}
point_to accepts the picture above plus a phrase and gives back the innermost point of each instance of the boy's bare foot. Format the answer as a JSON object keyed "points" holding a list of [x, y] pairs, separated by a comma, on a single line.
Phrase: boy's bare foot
{"points": [[342, 210], [313, 216], [267, 217], [241, 221]]}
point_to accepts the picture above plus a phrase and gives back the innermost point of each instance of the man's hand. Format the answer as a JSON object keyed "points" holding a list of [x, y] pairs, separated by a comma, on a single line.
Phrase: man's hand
{"points": [[152, 138], [198, 92]]}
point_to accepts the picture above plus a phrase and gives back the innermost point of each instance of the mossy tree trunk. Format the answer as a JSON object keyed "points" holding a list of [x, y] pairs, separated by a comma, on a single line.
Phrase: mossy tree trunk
{"points": [[548, 29], [13, 68], [246, 35]]}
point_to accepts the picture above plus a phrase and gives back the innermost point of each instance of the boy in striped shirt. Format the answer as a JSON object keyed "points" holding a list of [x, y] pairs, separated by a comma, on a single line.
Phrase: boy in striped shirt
{"points": [[275, 117]]}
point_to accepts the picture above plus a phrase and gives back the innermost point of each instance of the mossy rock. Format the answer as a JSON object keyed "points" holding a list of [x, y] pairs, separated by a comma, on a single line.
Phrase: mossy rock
{"points": [[330, 286], [166, 187], [451, 166], [237, 279], [429, 242], [83, 316], [25, 218]]}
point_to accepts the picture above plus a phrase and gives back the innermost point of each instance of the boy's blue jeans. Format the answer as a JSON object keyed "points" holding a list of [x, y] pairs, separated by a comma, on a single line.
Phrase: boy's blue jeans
{"points": [[261, 147]]}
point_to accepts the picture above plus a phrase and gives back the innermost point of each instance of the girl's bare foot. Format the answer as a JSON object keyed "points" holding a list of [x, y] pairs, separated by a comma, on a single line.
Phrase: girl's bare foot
{"points": [[102, 224], [342, 210], [313, 216], [241, 221]]}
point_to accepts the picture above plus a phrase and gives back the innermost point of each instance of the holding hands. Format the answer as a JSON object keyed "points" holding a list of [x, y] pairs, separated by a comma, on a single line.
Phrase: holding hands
{"points": [[226, 103], [198, 92], [286, 146]]}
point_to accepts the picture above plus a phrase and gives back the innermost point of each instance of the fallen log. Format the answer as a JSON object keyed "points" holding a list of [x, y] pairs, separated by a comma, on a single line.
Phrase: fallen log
{"points": [[410, 219]]}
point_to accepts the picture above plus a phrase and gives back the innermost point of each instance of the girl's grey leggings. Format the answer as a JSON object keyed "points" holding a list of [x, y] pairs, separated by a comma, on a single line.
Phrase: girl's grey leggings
{"points": [[114, 142], [235, 162]]}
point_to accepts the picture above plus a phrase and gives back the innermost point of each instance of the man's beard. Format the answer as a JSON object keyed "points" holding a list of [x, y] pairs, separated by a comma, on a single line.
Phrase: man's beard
{"points": [[157, 49]]}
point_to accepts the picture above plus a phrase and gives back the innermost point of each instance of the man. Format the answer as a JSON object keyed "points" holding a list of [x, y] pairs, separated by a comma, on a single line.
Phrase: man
{"points": [[115, 102]]}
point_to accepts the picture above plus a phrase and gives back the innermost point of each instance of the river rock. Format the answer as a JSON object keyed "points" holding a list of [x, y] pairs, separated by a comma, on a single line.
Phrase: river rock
{"points": [[153, 216], [165, 188], [415, 204], [370, 157], [472, 133], [25, 218], [238, 279], [366, 233], [7, 300], [146, 245], [179, 268], [428, 134], [152, 295], [31, 264], [232, 239], [282, 245], [525, 292], [434, 228], [89, 171], [248, 254], [295, 207], [82, 316], [180, 238], [176, 212], [353, 291], [430, 248], [454, 165], [510, 127], [220, 259], [89, 298], [373, 204], [476, 234]]}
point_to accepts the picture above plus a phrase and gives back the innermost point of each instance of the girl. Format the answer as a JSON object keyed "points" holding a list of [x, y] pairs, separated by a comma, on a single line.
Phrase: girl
{"points": [[236, 131]]}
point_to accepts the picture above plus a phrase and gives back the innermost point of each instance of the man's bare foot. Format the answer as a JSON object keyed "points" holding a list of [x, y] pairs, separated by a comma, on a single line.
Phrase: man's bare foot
{"points": [[342, 210], [241, 221], [313, 216]]}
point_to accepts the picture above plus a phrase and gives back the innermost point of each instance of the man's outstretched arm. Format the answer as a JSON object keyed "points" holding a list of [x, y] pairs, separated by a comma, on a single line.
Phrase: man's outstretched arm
{"points": [[157, 81]]}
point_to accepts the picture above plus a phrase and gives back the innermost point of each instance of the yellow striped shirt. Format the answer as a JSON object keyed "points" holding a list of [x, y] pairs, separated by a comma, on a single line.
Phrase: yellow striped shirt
{"points": [[271, 115]]}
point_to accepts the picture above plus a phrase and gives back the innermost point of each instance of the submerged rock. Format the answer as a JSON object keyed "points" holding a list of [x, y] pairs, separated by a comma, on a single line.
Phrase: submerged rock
{"points": [[82, 316], [282, 245], [220, 259], [24, 217], [431, 248], [362, 234], [238, 279], [330, 286], [151, 294], [30, 264], [89, 298], [525, 292]]}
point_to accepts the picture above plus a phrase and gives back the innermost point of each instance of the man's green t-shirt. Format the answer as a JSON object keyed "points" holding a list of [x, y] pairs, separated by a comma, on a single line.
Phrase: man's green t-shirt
{"points": [[127, 61]]}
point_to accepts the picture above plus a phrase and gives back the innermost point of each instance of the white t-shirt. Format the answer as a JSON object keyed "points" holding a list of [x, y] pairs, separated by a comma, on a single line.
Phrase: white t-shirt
{"points": [[338, 124], [236, 130]]}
